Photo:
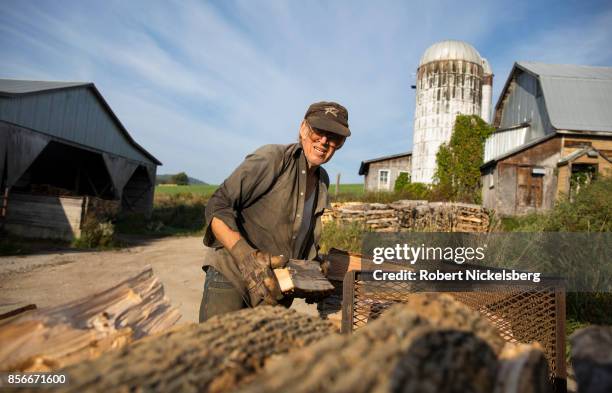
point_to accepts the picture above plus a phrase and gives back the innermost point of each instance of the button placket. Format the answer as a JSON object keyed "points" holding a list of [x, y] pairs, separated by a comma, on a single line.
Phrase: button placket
{"points": [[300, 205]]}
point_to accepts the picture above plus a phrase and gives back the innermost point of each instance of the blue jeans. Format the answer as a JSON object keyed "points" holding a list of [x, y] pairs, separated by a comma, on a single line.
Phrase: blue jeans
{"points": [[220, 296]]}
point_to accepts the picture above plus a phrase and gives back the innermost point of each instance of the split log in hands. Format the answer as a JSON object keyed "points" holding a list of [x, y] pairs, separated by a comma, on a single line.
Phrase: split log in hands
{"points": [[303, 279]]}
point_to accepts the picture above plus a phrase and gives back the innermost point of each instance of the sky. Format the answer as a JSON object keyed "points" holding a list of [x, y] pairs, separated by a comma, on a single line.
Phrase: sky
{"points": [[201, 84]]}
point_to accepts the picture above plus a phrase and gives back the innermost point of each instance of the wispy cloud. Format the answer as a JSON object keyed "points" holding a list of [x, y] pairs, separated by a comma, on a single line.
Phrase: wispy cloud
{"points": [[201, 84]]}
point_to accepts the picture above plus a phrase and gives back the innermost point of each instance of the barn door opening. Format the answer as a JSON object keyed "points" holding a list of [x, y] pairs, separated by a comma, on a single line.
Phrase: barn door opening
{"points": [[582, 175], [137, 195], [61, 169], [529, 188]]}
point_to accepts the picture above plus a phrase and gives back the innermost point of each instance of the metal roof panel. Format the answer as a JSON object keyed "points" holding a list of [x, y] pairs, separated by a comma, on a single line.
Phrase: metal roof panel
{"points": [[13, 86], [578, 98]]}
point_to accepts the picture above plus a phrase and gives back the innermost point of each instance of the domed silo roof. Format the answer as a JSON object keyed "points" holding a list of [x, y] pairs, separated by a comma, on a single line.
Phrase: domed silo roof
{"points": [[451, 50], [486, 67]]}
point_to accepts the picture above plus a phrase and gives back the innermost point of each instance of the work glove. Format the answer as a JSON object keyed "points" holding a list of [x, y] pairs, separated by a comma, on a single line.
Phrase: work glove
{"points": [[323, 264], [256, 269]]}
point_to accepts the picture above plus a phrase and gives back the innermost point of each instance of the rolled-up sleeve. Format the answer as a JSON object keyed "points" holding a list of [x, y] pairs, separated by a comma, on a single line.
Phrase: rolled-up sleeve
{"points": [[253, 177]]}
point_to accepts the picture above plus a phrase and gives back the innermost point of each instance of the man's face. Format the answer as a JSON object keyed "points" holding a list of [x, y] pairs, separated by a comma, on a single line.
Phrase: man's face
{"points": [[319, 146]]}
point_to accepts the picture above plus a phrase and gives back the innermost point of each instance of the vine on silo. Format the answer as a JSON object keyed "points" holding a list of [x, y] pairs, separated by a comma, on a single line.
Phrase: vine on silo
{"points": [[458, 162]]}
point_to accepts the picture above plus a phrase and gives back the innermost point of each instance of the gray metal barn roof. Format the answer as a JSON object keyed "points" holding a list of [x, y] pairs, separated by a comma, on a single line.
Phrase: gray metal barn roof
{"points": [[10, 87], [71, 111], [578, 98]]}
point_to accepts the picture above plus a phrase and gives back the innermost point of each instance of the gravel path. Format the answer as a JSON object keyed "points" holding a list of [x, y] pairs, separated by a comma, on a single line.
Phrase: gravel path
{"points": [[56, 277]]}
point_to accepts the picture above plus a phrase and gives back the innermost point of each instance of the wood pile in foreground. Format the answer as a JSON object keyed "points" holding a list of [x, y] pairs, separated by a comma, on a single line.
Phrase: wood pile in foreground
{"points": [[214, 356], [407, 215], [592, 358], [431, 344], [46, 339]]}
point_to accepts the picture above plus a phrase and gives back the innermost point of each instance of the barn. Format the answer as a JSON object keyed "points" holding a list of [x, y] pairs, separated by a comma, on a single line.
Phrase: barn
{"points": [[63, 152], [554, 134], [380, 173]]}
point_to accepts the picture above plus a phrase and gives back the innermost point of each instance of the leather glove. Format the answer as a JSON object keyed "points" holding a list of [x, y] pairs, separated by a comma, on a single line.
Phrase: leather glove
{"points": [[323, 264], [256, 269]]}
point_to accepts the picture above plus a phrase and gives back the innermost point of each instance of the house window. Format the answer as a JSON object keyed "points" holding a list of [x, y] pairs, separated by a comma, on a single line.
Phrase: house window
{"points": [[383, 179]]}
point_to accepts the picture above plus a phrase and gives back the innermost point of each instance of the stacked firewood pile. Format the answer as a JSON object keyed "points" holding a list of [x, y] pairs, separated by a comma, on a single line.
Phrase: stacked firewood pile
{"points": [[443, 217], [46, 339], [433, 344], [429, 343], [415, 215]]}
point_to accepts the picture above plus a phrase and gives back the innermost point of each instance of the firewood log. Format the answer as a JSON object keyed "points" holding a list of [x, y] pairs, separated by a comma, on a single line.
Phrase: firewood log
{"points": [[592, 358], [214, 356], [432, 344], [46, 339], [303, 279], [522, 369]]}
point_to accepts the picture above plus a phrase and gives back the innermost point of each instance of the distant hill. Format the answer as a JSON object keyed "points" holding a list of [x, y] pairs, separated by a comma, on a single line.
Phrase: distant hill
{"points": [[160, 179]]}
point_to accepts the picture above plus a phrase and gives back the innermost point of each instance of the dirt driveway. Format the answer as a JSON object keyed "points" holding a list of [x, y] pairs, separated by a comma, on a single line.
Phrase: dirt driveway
{"points": [[53, 278]]}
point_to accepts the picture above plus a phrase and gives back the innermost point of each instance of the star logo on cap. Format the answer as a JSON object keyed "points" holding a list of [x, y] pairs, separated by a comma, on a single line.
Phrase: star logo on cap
{"points": [[331, 110]]}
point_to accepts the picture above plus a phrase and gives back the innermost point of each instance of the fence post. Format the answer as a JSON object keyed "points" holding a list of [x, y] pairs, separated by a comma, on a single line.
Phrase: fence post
{"points": [[337, 185]]}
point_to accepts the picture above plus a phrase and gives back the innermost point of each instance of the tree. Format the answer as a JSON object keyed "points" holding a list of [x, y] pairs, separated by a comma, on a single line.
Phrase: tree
{"points": [[458, 162], [180, 179]]}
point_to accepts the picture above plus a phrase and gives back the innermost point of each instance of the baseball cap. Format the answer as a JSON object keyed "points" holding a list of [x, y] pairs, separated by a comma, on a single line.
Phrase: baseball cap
{"points": [[328, 116]]}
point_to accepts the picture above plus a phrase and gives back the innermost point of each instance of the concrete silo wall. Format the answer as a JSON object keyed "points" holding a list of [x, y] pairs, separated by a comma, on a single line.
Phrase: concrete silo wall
{"points": [[445, 88]]}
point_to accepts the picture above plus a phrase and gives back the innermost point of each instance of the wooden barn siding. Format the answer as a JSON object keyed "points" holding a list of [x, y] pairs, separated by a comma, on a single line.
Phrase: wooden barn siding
{"points": [[395, 166], [45, 217], [573, 143], [503, 197]]}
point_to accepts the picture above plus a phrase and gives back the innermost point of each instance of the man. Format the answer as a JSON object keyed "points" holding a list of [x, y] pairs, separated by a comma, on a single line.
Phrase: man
{"points": [[268, 211]]}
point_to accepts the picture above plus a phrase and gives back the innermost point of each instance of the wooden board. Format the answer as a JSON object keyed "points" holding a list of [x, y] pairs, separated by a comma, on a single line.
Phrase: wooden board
{"points": [[39, 216]]}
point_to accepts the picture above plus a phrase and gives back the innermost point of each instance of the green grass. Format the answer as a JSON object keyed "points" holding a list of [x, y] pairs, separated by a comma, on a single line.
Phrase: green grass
{"points": [[205, 190], [356, 189]]}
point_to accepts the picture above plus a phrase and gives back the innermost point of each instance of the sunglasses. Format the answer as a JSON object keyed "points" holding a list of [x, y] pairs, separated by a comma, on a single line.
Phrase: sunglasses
{"points": [[333, 140]]}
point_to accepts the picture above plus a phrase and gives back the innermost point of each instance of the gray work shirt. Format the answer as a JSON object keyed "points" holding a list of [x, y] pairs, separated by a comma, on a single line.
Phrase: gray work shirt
{"points": [[263, 199]]}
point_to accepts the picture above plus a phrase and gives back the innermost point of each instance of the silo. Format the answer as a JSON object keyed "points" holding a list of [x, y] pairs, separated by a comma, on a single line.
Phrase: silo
{"points": [[487, 90], [449, 82]]}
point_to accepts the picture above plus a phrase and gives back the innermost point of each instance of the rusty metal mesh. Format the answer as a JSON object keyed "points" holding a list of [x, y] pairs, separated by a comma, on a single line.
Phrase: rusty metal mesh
{"points": [[522, 314]]}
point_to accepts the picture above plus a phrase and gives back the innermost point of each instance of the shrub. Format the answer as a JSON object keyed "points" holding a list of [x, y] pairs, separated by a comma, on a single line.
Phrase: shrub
{"points": [[402, 181], [96, 233], [591, 211], [416, 191]]}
